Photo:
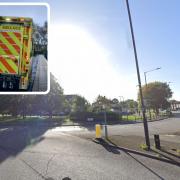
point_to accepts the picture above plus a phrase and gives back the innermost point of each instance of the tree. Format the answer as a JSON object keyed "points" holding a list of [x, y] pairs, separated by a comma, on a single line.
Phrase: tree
{"points": [[53, 102], [156, 95], [24, 105], [77, 103], [116, 105], [40, 39], [4, 104], [100, 102], [131, 105]]}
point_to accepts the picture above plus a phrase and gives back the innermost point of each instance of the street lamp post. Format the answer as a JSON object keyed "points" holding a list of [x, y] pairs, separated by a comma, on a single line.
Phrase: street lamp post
{"points": [[146, 132], [121, 99], [145, 73], [169, 100], [120, 106], [105, 123], [148, 72]]}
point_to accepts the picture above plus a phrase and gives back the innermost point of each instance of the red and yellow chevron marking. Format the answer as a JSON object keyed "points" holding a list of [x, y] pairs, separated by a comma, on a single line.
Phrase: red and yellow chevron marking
{"points": [[10, 51], [8, 66], [10, 43], [18, 35], [4, 48]]}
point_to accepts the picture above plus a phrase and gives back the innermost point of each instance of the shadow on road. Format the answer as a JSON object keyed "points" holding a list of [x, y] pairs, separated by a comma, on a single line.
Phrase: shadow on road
{"points": [[112, 147], [15, 137], [171, 154], [145, 166], [166, 160], [106, 145], [109, 145]]}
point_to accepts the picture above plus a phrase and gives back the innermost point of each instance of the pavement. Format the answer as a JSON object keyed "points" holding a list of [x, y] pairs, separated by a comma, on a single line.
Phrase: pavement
{"points": [[41, 73], [38, 151]]}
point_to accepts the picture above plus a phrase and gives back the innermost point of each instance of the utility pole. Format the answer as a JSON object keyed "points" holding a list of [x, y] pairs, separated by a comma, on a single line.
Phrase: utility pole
{"points": [[146, 132]]}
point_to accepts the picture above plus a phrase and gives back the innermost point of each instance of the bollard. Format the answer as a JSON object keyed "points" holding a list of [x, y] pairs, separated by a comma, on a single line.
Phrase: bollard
{"points": [[157, 141], [98, 131]]}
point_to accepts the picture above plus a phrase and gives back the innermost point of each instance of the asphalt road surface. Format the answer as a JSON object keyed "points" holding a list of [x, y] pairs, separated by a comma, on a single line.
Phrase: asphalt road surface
{"points": [[167, 128], [35, 151], [40, 81]]}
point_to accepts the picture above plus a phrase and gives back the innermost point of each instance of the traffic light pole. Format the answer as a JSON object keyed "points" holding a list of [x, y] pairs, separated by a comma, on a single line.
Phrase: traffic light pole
{"points": [[146, 132]]}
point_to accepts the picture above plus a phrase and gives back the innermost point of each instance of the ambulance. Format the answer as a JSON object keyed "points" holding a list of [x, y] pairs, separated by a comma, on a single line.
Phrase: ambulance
{"points": [[15, 52]]}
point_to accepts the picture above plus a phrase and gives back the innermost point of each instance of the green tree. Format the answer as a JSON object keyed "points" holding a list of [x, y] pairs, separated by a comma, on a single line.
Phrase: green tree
{"points": [[40, 39], [24, 105], [4, 104], [78, 103], [116, 105], [156, 95], [53, 102], [101, 101], [131, 105]]}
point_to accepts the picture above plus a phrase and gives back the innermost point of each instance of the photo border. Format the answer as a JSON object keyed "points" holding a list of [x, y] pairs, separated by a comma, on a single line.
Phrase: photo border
{"points": [[48, 71]]}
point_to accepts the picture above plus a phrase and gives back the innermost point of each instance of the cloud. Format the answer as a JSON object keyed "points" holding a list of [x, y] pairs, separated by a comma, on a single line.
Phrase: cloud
{"points": [[83, 66]]}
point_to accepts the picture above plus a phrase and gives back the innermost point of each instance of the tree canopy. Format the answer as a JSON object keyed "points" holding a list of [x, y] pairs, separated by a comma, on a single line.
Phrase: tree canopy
{"points": [[40, 39], [131, 105], [77, 103], [100, 103], [156, 95], [48, 104]]}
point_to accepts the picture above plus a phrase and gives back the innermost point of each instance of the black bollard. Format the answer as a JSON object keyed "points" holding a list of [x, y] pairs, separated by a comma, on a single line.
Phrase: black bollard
{"points": [[157, 141]]}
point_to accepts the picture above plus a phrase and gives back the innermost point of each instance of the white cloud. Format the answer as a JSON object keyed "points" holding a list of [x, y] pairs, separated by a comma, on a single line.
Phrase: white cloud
{"points": [[84, 67]]}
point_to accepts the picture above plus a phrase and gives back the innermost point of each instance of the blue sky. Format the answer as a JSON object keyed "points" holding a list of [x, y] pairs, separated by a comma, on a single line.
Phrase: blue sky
{"points": [[38, 13], [156, 27]]}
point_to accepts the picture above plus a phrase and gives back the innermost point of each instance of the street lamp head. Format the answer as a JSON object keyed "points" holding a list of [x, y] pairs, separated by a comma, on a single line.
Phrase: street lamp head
{"points": [[152, 70], [158, 68]]}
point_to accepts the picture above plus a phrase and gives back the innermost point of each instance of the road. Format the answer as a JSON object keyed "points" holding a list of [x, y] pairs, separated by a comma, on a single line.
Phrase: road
{"points": [[167, 128], [36, 151], [40, 73]]}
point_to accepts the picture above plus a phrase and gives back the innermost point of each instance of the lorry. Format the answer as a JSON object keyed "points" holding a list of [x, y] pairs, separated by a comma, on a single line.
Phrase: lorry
{"points": [[15, 52]]}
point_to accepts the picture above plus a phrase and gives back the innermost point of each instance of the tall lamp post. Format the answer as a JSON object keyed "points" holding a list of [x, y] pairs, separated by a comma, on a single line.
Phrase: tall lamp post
{"points": [[148, 72], [121, 99], [169, 100], [105, 123], [146, 132], [145, 73]]}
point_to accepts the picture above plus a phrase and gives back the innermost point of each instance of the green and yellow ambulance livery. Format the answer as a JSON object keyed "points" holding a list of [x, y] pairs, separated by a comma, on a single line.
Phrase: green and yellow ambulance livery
{"points": [[15, 52]]}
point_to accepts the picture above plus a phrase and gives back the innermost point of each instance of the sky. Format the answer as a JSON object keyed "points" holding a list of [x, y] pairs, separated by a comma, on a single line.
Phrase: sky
{"points": [[91, 52], [37, 13]]}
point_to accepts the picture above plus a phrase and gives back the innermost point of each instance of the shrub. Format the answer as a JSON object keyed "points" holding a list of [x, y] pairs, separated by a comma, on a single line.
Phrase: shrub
{"points": [[99, 117]]}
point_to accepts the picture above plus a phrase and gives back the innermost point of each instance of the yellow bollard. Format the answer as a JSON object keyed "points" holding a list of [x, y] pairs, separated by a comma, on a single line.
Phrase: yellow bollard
{"points": [[98, 131]]}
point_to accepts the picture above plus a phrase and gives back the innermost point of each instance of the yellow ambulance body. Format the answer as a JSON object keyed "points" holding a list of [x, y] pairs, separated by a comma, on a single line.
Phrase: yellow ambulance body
{"points": [[15, 52]]}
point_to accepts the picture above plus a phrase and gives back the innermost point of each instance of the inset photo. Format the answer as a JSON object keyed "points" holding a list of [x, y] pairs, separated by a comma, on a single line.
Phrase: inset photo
{"points": [[23, 48]]}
